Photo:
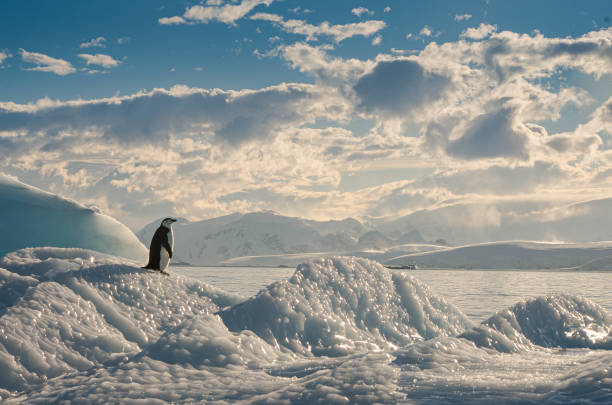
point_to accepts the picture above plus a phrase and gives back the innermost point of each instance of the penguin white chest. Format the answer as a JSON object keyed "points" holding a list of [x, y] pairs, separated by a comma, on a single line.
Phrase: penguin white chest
{"points": [[164, 257]]}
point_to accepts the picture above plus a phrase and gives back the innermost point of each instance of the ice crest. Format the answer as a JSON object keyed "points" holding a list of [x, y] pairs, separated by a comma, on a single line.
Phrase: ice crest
{"points": [[342, 305], [89, 313], [552, 321]]}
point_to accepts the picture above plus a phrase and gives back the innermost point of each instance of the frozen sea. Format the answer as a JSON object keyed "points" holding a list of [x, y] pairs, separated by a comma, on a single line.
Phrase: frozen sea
{"points": [[77, 326]]}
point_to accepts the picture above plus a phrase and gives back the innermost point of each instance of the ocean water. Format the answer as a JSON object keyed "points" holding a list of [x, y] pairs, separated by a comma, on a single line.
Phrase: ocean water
{"points": [[77, 326], [478, 293]]}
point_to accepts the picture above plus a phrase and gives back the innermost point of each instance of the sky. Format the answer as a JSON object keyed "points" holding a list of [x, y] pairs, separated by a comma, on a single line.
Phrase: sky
{"points": [[316, 109]]}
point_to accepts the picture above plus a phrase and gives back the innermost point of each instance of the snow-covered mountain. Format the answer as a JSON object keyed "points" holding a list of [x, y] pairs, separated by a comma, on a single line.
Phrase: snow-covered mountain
{"points": [[31, 217], [468, 223], [514, 255], [261, 233]]}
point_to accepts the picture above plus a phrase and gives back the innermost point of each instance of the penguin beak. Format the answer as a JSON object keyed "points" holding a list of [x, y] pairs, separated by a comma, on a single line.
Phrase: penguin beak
{"points": [[173, 220]]}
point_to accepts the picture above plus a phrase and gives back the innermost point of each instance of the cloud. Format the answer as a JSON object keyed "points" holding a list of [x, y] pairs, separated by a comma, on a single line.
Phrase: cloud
{"points": [[359, 11], [425, 31], [95, 42], [176, 20], [376, 40], [491, 135], [214, 11], [338, 32], [46, 63], [315, 61], [123, 40], [462, 17], [387, 9], [100, 60], [233, 116], [4, 55], [398, 87], [481, 32]]}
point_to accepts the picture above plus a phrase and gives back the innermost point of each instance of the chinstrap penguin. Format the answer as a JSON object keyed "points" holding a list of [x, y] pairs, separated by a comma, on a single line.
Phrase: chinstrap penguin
{"points": [[162, 244]]}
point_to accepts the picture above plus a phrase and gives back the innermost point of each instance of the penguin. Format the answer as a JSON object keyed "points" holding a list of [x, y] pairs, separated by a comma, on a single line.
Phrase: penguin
{"points": [[162, 244]]}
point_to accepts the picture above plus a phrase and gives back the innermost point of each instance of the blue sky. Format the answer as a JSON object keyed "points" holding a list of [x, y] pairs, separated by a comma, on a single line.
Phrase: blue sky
{"points": [[317, 109]]}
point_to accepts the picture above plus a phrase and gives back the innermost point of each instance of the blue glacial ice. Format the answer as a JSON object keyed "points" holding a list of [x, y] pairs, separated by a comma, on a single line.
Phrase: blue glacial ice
{"points": [[80, 326], [31, 217]]}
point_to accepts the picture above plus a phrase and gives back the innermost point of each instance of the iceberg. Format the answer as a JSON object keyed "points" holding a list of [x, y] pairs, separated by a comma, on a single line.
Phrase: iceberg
{"points": [[34, 218]]}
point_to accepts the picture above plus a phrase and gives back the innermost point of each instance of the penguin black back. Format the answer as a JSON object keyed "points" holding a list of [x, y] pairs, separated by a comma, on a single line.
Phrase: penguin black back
{"points": [[161, 244]]}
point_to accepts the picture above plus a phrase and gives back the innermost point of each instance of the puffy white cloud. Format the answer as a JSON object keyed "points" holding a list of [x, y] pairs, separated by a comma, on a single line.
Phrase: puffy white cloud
{"points": [[338, 32], [377, 40], [315, 61], [94, 42], [387, 9], [475, 114], [215, 11], [174, 20], [480, 32], [359, 11], [100, 60], [46, 63], [229, 116]]}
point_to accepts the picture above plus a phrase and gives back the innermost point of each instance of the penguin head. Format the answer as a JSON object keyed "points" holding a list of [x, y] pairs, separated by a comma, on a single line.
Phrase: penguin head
{"points": [[167, 222]]}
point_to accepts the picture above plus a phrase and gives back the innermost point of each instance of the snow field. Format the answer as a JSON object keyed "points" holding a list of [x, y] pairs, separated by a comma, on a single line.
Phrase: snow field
{"points": [[79, 326]]}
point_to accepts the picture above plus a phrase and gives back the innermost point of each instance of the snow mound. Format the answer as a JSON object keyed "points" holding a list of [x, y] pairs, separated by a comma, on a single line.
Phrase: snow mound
{"points": [[88, 314], [205, 340], [32, 217], [341, 305], [552, 321], [46, 263]]}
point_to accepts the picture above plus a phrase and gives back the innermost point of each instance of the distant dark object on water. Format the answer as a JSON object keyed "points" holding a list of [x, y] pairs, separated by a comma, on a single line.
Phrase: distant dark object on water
{"points": [[403, 267]]}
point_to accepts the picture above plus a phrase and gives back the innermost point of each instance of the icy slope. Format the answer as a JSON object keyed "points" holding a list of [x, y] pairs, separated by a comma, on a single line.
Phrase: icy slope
{"points": [[81, 309], [341, 305], [31, 217], [554, 321]]}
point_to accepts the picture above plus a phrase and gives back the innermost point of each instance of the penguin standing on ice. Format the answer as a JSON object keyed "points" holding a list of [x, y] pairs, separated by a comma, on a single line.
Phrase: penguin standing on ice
{"points": [[162, 244]]}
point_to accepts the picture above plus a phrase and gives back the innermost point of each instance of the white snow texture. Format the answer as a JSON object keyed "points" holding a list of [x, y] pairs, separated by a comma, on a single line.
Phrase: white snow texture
{"points": [[80, 326]]}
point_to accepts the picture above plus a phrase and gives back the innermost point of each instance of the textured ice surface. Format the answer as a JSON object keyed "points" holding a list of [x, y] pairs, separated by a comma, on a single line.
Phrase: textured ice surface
{"points": [[32, 217], [553, 321], [103, 331], [87, 314], [340, 305]]}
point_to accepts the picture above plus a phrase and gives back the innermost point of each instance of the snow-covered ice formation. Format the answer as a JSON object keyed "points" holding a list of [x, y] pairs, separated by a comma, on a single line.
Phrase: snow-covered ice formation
{"points": [[31, 217], [336, 306], [553, 321], [80, 326]]}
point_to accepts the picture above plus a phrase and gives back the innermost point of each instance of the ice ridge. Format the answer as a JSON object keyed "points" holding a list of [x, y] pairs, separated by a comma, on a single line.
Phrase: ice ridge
{"points": [[550, 321], [341, 305]]}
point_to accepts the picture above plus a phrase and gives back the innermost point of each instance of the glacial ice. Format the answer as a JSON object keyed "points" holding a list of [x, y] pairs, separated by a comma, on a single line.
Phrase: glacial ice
{"points": [[33, 218], [80, 326]]}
